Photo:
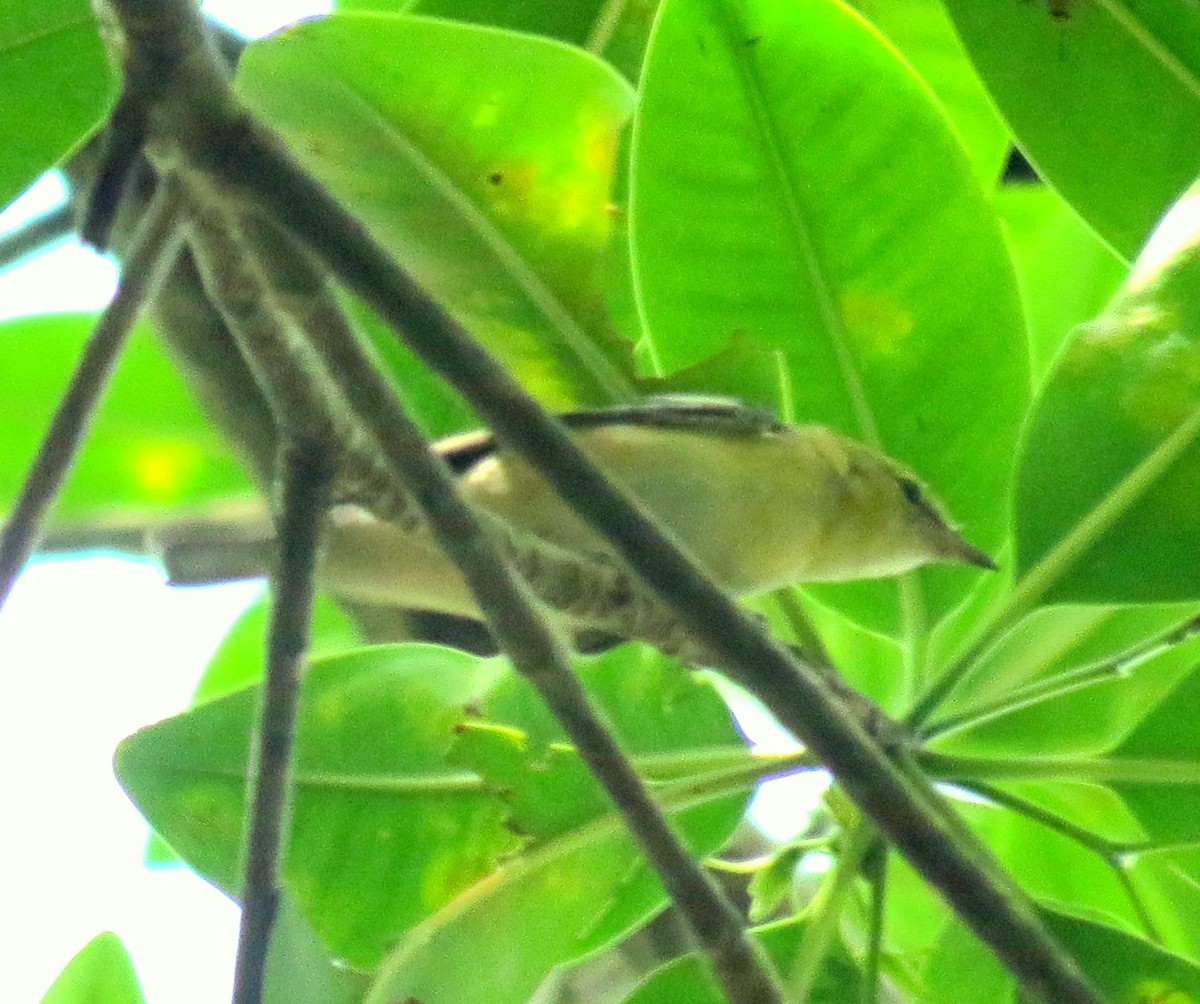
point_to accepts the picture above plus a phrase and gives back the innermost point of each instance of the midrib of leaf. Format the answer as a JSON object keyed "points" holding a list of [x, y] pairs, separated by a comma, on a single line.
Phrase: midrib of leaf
{"points": [[1115, 770], [577, 340], [1127, 20], [786, 189], [909, 592], [1059, 560], [448, 782], [700, 765]]}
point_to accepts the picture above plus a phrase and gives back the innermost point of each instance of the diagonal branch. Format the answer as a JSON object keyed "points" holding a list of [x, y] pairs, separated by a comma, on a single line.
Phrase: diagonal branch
{"points": [[284, 315], [153, 250]]}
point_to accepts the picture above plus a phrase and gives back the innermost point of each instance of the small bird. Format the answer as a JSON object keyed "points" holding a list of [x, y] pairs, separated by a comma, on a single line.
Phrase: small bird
{"points": [[759, 503]]}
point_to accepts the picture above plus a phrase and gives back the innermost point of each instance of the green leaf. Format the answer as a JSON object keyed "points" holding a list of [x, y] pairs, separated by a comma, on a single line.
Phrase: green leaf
{"points": [[102, 973], [1125, 967], [799, 200], [238, 662], [383, 831], [1107, 502], [55, 83], [387, 832], [1161, 759], [688, 981], [148, 447], [1052, 867], [300, 971], [483, 160], [771, 885], [1069, 681], [580, 882], [1044, 232], [961, 968], [617, 32], [1104, 100], [924, 34]]}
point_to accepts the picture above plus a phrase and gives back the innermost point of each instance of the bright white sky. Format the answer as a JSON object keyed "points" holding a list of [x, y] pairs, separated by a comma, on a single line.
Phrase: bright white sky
{"points": [[91, 650]]}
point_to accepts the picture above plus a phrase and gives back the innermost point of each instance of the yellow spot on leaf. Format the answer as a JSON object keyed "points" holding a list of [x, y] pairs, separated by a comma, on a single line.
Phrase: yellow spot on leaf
{"points": [[1158, 992], [165, 469], [877, 323]]}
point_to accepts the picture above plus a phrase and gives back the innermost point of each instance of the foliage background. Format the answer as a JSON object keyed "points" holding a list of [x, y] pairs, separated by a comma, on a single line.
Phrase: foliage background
{"points": [[940, 313]]}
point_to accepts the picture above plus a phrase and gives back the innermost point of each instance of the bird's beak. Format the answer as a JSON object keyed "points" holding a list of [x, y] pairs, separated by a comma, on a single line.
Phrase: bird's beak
{"points": [[971, 555]]}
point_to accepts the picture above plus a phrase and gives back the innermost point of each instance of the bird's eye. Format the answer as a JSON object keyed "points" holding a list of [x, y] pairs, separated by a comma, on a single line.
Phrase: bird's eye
{"points": [[912, 491]]}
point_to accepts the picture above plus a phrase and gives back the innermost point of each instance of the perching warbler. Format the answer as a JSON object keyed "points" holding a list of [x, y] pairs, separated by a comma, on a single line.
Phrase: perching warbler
{"points": [[759, 503]]}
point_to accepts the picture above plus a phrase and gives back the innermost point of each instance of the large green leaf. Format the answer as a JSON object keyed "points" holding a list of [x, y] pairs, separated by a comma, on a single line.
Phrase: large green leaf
{"points": [[102, 973], [924, 34], [148, 447], [299, 969], [483, 159], [387, 832], [580, 882], [800, 204], [55, 83], [1052, 867], [616, 31], [370, 775], [1110, 831], [1069, 681], [1105, 99], [1044, 232], [1126, 968], [1107, 502], [238, 662], [1157, 768]]}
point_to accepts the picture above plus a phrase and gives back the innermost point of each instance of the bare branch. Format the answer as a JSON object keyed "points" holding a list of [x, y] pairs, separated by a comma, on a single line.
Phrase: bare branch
{"points": [[306, 475], [39, 234], [150, 256]]}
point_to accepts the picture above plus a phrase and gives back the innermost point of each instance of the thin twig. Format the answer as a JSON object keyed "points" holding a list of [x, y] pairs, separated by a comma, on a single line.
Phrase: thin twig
{"points": [[308, 305], [222, 140], [37, 235], [1115, 667], [307, 469], [150, 255], [1113, 854]]}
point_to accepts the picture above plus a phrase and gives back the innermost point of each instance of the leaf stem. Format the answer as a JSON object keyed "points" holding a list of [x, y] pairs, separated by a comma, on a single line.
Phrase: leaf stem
{"points": [[876, 867], [1067, 682], [968, 770], [825, 911]]}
